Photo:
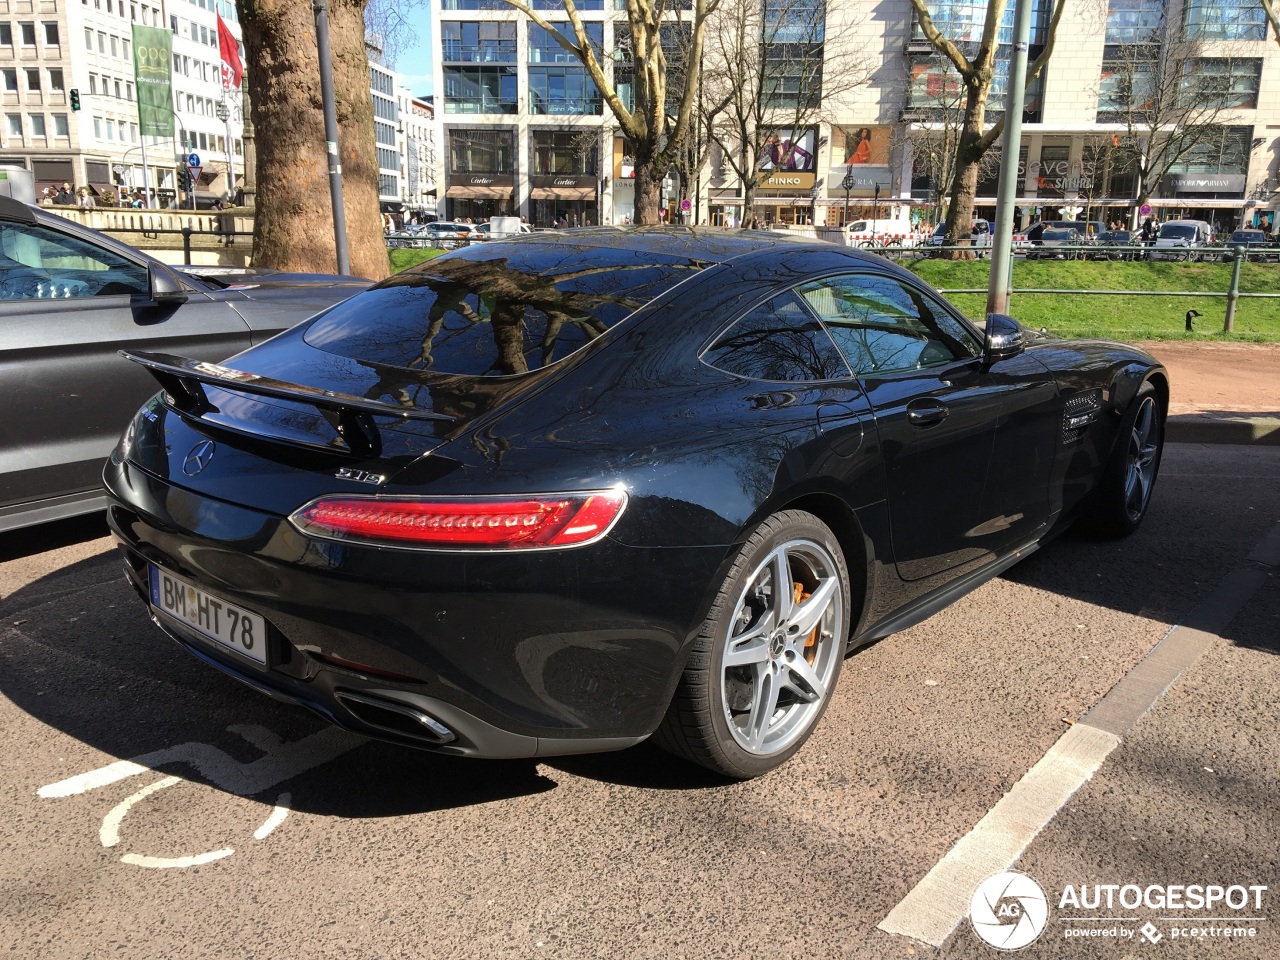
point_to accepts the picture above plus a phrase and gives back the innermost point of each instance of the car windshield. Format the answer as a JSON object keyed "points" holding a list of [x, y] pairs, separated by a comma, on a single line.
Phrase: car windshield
{"points": [[496, 312], [1177, 231], [1247, 236]]}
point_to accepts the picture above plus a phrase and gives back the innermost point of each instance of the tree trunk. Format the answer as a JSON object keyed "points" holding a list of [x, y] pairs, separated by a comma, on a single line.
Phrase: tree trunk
{"points": [[648, 187], [293, 226], [964, 182]]}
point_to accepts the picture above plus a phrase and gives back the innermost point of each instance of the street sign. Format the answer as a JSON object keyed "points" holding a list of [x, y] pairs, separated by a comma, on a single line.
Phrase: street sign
{"points": [[686, 205], [1145, 209], [193, 160], [194, 170]]}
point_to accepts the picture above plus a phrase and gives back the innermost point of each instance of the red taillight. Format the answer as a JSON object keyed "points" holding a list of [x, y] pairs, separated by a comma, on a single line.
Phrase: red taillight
{"points": [[499, 523]]}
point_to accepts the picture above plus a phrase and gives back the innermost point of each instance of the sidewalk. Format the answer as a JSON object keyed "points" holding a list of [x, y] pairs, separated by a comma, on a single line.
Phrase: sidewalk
{"points": [[1221, 392]]}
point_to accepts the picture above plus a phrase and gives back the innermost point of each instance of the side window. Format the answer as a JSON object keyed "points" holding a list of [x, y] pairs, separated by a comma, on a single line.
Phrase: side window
{"points": [[883, 326], [37, 263], [779, 341]]}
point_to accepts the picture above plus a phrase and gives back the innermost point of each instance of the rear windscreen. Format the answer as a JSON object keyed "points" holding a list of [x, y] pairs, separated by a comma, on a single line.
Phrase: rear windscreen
{"points": [[488, 312], [1177, 232]]}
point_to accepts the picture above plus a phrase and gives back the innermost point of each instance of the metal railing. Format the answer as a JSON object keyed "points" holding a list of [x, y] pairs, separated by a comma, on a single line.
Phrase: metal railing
{"points": [[227, 237]]}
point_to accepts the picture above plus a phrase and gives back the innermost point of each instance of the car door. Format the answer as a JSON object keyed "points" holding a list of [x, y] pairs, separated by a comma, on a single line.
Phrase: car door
{"points": [[67, 305], [938, 410]]}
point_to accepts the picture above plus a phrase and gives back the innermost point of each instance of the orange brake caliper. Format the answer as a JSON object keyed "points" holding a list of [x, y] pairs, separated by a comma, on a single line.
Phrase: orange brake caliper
{"points": [[811, 644]]}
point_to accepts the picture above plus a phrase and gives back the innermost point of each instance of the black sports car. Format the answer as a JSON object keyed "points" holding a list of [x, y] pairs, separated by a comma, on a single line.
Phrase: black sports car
{"points": [[561, 494], [70, 298]]}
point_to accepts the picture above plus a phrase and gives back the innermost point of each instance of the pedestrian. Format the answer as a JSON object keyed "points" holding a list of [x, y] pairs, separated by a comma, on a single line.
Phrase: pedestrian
{"points": [[64, 196], [1148, 231], [86, 200]]}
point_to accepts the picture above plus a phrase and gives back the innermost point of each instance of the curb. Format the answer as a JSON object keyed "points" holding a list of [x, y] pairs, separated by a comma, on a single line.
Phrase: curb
{"points": [[1223, 428]]}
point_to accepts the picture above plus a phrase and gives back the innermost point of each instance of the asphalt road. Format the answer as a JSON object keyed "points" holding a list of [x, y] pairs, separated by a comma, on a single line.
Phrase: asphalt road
{"points": [[250, 829]]}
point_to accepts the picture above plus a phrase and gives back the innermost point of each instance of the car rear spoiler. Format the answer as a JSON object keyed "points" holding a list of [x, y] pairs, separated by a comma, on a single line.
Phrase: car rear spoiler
{"points": [[351, 416]]}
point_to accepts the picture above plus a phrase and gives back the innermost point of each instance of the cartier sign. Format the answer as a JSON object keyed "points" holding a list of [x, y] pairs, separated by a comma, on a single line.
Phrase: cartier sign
{"points": [[485, 180], [566, 180]]}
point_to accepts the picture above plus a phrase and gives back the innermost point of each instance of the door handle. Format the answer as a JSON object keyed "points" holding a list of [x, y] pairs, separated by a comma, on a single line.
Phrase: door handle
{"points": [[924, 413]]}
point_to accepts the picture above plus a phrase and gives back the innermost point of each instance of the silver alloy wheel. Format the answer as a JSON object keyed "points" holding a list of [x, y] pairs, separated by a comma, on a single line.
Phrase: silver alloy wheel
{"points": [[783, 650], [1140, 460]]}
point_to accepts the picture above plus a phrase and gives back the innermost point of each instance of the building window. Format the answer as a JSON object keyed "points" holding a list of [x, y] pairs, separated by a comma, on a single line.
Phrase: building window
{"points": [[33, 79], [481, 151], [37, 124], [563, 91], [384, 133], [792, 75], [13, 121], [6, 35], [1225, 150], [115, 46], [1224, 20], [9, 80], [544, 49], [1127, 86], [566, 151], [60, 128], [97, 128], [28, 32], [51, 34], [488, 42], [1134, 21], [480, 90], [1224, 84], [55, 80], [388, 185], [794, 21]]}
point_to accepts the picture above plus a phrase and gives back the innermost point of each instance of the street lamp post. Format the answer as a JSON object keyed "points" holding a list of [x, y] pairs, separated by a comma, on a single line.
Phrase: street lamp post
{"points": [[223, 112], [875, 210], [849, 182]]}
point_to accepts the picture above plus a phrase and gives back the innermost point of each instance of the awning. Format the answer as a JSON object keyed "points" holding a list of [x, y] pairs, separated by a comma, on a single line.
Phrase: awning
{"points": [[562, 193], [478, 193]]}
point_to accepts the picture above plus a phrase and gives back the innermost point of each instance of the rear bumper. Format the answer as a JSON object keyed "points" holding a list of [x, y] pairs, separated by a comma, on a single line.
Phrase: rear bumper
{"points": [[519, 655]]}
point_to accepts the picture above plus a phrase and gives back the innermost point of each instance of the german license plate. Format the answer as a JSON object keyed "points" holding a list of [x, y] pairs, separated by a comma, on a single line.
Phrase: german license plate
{"points": [[225, 623]]}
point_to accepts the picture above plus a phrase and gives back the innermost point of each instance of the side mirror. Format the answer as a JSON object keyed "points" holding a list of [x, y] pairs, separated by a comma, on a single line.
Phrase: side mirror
{"points": [[1003, 339], [165, 287]]}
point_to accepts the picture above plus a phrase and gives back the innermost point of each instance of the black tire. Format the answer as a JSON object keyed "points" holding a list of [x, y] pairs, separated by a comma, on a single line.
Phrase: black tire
{"points": [[1120, 503], [744, 719]]}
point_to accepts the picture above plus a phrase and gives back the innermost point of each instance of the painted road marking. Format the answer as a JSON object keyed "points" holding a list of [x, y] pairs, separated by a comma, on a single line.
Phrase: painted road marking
{"points": [[280, 762], [932, 910]]}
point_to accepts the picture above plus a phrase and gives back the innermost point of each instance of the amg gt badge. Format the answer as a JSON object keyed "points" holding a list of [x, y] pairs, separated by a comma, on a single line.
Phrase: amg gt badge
{"points": [[360, 476]]}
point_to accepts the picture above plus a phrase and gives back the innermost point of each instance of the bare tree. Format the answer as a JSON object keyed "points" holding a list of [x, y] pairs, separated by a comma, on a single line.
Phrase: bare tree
{"points": [[293, 166], [933, 133], [975, 63], [773, 69], [659, 118], [1175, 104]]}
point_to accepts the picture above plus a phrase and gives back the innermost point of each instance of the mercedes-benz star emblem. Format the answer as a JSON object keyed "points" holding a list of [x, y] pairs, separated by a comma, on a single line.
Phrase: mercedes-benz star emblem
{"points": [[198, 457]]}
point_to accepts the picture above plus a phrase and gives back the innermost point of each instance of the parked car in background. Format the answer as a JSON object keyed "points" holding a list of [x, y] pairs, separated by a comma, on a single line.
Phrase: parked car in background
{"points": [[1114, 245], [1058, 243], [1257, 246], [449, 234], [979, 236], [1086, 228], [1181, 240], [647, 482], [500, 228], [70, 298]]}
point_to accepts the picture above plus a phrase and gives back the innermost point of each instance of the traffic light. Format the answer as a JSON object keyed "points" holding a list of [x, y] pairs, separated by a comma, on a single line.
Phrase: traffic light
{"points": [[184, 179], [75, 99]]}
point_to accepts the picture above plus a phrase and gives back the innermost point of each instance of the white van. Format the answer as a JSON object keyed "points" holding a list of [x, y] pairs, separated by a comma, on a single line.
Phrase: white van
{"points": [[1176, 237], [878, 232], [502, 228]]}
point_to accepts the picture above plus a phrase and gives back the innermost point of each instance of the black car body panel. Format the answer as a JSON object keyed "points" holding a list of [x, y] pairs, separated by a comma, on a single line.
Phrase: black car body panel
{"points": [[931, 475], [62, 385]]}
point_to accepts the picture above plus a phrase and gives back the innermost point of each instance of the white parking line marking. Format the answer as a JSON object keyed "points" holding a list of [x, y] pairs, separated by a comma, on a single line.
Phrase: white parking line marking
{"points": [[277, 817], [280, 762], [940, 901]]}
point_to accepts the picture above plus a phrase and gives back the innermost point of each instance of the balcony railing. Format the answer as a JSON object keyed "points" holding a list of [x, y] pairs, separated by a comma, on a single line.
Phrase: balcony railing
{"points": [[580, 106], [500, 51], [479, 105]]}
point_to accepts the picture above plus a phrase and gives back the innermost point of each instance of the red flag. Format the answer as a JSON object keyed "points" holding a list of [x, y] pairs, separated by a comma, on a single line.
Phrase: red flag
{"points": [[232, 68]]}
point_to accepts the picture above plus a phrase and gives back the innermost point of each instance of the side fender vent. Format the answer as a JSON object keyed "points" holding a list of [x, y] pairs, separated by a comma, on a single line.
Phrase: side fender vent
{"points": [[1080, 411]]}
